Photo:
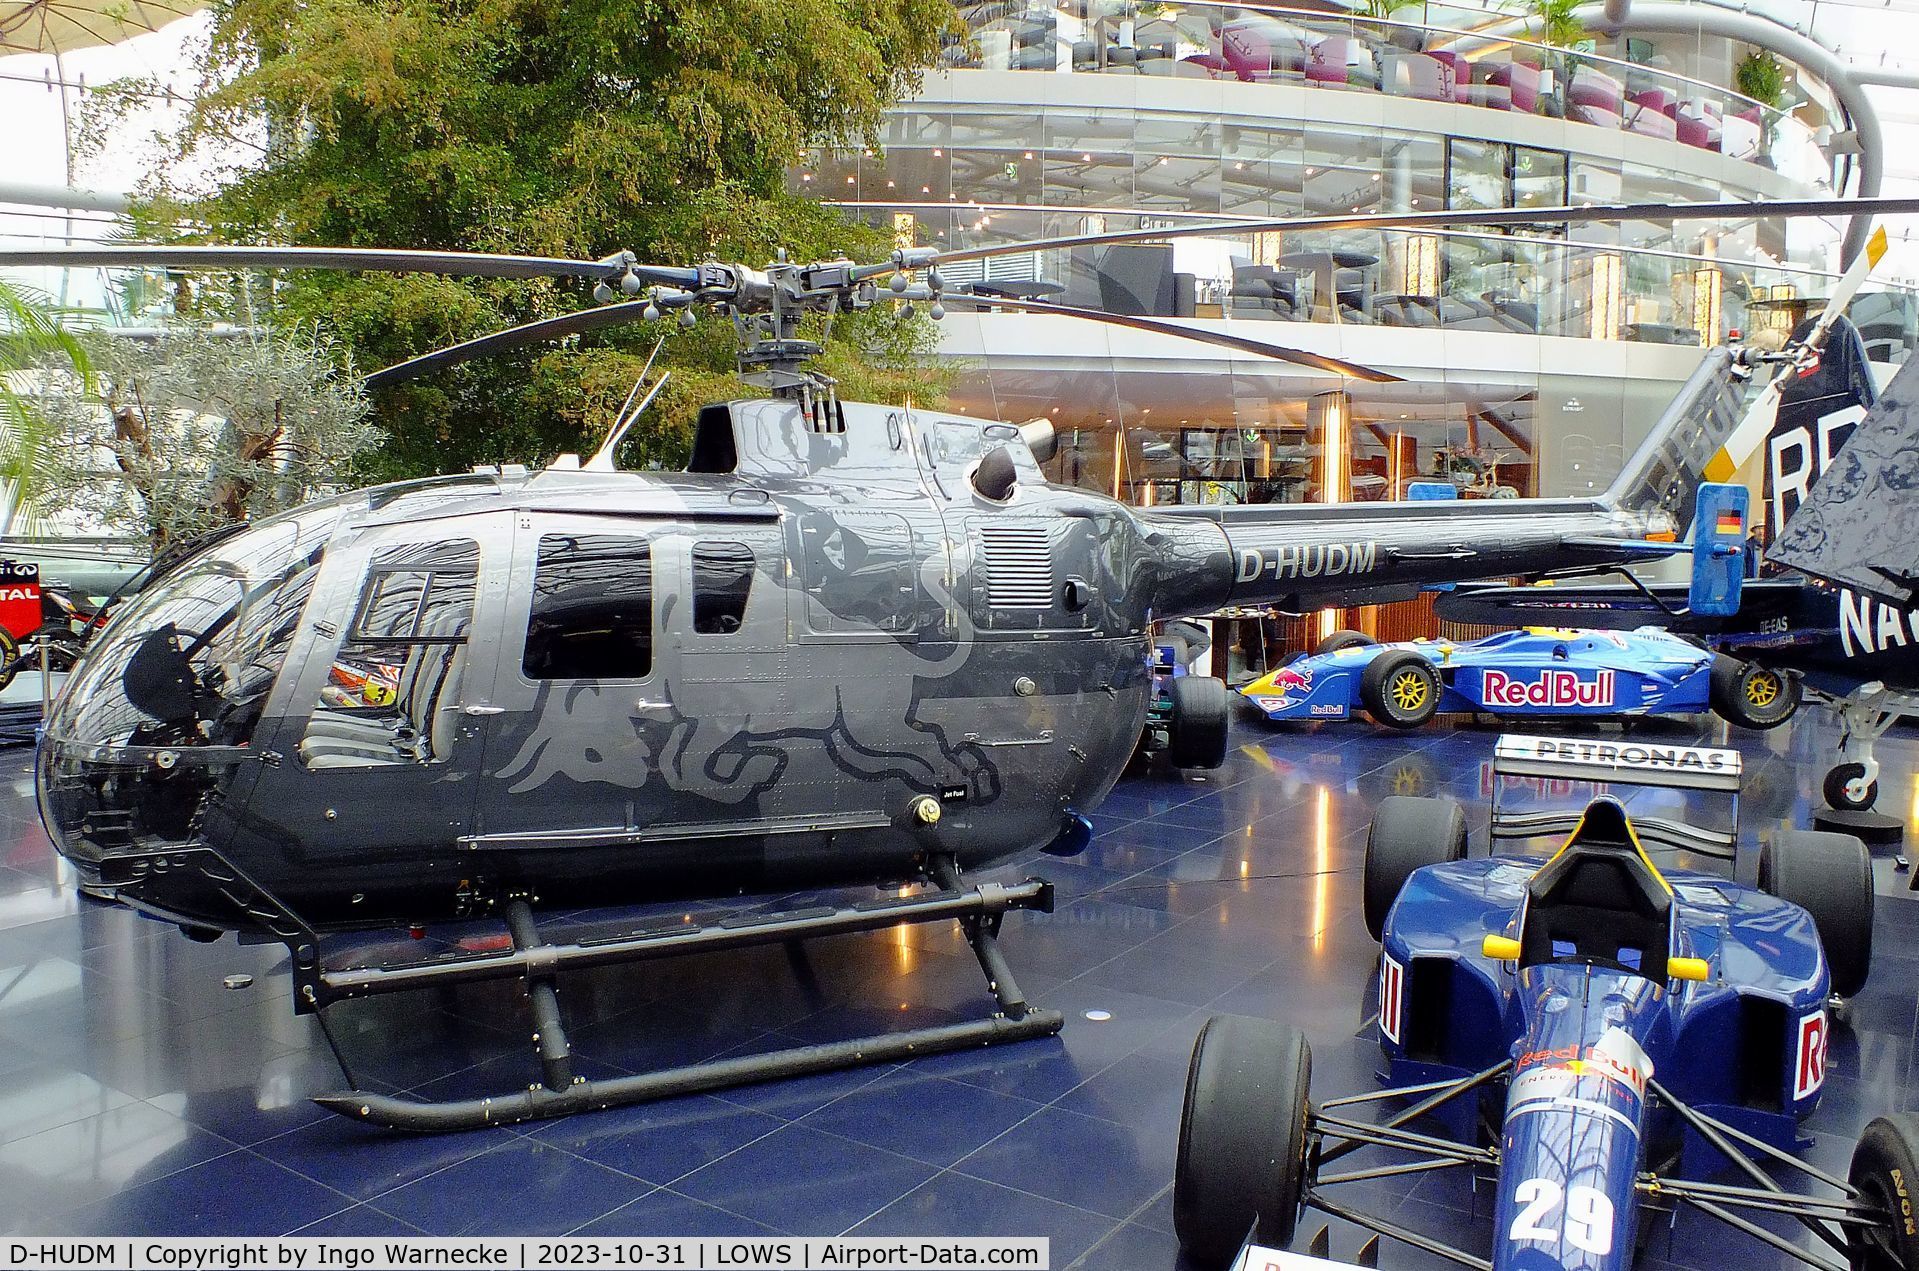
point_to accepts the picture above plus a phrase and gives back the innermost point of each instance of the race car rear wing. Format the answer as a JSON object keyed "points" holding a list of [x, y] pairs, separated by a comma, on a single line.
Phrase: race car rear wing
{"points": [[1616, 763]]}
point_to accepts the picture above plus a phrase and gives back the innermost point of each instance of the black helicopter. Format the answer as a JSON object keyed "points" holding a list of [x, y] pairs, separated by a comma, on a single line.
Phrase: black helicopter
{"points": [[851, 644]]}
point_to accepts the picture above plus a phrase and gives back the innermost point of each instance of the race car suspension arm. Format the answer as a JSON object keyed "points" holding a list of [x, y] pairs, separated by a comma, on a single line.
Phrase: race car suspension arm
{"points": [[1714, 1132], [1392, 1171], [1738, 1135], [1850, 1213], [1359, 1134], [1442, 1094]]}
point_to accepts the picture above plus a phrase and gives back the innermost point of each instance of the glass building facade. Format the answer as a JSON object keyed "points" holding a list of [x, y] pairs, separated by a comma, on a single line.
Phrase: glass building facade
{"points": [[1525, 359]]}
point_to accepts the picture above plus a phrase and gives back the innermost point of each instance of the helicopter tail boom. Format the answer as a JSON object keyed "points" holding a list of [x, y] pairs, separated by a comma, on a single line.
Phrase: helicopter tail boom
{"points": [[1299, 557], [1305, 556]]}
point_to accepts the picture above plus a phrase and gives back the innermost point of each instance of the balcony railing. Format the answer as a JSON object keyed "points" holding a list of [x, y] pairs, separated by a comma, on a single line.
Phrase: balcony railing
{"points": [[1203, 39], [1573, 287]]}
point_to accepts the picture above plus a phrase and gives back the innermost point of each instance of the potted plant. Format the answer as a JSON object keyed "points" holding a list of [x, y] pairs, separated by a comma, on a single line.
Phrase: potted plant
{"points": [[1762, 77], [1410, 38], [1557, 23]]}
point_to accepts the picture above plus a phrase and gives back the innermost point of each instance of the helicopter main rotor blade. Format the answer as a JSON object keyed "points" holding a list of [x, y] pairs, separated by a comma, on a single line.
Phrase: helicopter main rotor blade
{"points": [[1223, 339], [1565, 215], [381, 259], [547, 329], [557, 328]]}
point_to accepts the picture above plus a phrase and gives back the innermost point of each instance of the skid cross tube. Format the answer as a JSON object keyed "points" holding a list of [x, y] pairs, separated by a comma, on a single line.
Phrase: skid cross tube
{"points": [[677, 939], [543, 1000], [982, 935], [562, 1091]]}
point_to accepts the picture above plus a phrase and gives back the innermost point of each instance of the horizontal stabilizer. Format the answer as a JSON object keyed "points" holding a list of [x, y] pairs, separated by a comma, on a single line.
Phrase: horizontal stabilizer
{"points": [[1618, 607]]}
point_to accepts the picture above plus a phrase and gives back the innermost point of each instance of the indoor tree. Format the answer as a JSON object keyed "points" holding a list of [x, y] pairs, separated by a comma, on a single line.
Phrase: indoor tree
{"points": [[200, 428], [527, 126]]}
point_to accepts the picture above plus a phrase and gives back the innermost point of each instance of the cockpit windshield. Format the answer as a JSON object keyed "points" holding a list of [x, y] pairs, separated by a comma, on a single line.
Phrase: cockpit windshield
{"points": [[192, 665], [189, 661]]}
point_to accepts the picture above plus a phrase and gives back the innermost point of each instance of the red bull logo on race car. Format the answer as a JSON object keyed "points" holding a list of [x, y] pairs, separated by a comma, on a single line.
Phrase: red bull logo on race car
{"points": [[1615, 1057], [1288, 684], [1289, 679], [1809, 1067], [1553, 688]]}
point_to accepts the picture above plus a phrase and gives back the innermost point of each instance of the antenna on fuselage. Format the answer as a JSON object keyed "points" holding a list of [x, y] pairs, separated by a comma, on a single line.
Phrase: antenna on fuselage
{"points": [[602, 460]]}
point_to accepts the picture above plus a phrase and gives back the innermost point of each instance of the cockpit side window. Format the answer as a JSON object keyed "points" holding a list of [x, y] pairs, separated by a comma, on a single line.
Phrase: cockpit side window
{"points": [[251, 659], [391, 693], [722, 581], [592, 611]]}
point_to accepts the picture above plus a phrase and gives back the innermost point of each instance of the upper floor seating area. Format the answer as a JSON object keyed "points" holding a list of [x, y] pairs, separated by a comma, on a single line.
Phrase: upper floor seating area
{"points": [[1398, 59]]}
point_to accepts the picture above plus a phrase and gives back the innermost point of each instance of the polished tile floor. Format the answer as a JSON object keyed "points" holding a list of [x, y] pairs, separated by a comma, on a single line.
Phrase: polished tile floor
{"points": [[138, 1094]]}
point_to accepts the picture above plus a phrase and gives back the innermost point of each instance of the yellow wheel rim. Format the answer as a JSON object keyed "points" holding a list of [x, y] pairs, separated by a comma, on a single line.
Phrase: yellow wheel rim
{"points": [[1410, 690], [1762, 689]]}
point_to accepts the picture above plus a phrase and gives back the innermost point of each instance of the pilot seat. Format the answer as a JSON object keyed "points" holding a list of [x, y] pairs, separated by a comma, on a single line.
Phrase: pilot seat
{"points": [[1598, 901], [421, 725]]}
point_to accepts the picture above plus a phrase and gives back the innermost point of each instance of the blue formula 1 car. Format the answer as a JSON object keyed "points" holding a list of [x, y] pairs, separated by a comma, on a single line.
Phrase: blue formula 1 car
{"points": [[1537, 672], [1582, 1030]]}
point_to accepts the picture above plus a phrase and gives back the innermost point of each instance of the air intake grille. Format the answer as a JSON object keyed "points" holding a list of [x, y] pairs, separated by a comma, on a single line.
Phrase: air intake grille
{"points": [[1019, 566]]}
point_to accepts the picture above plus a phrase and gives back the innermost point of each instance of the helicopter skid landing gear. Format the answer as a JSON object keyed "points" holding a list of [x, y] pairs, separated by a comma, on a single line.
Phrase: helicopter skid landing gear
{"points": [[561, 1092]]}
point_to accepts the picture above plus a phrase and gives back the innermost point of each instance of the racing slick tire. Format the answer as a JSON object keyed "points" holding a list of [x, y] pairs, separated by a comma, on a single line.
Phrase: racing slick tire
{"points": [[1400, 689], [1750, 695], [1201, 719], [1241, 1164], [9, 657], [1830, 877], [1885, 1169], [1342, 640], [1408, 832], [1837, 779]]}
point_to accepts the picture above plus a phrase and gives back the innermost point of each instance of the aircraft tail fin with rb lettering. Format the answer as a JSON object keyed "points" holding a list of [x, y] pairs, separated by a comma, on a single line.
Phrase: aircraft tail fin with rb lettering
{"points": [[1854, 527]]}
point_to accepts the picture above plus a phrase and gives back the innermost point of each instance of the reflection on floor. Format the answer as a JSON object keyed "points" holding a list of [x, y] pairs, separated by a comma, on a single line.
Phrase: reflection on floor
{"points": [[137, 1094]]}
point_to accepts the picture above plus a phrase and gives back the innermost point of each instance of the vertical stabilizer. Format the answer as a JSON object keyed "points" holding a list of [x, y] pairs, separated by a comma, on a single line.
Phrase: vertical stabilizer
{"points": [[1855, 525], [1663, 475]]}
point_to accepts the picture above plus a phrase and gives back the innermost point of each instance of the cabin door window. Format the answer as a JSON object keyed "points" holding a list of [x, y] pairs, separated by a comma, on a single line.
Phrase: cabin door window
{"points": [[592, 612], [860, 573], [391, 696], [722, 582]]}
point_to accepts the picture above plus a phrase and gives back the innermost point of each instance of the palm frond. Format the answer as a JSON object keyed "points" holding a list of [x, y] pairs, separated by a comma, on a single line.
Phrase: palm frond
{"points": [[34, 338]]}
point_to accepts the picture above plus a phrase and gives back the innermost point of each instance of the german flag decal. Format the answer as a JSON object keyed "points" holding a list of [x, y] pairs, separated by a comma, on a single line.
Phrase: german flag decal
{"points": [[1730, 522]]}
